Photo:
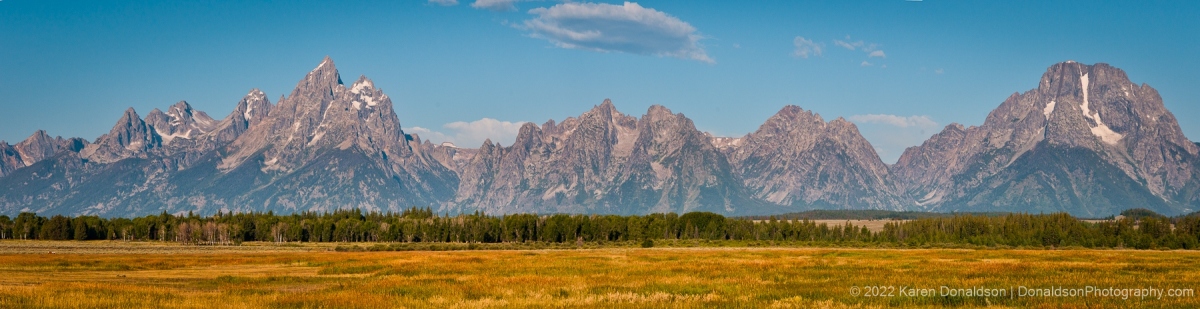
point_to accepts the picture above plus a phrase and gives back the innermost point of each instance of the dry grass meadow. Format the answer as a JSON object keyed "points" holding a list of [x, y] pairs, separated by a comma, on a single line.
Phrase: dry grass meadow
{"points": [[102, 274]]}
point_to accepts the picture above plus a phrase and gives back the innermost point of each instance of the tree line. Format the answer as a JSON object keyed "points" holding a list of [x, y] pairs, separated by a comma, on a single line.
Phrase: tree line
{"points": [[423, 225]]}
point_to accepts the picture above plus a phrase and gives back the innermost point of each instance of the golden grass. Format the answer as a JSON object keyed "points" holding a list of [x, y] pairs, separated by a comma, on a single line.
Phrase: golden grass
{"points": [[139, 275]]}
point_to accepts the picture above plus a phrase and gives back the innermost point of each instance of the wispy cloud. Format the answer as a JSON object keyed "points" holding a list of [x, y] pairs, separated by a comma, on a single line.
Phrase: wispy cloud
{"points": [[846, 45], [493, 5], [471, 134], [856, 45], [628, 28], [444, 2], [806, 47], [894, 120]]}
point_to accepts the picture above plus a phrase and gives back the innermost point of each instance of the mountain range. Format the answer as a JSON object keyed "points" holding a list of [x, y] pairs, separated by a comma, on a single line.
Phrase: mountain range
{"points": [[1086, 141]]}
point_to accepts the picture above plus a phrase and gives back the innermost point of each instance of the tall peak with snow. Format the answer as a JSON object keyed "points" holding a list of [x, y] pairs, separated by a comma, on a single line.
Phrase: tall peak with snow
{"points": [[1080, 120], [253, 108], [180, 122]]}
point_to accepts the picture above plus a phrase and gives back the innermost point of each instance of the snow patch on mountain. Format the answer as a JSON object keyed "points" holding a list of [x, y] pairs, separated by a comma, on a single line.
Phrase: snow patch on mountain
{"points": [[1049, 109], [1106, 134]]}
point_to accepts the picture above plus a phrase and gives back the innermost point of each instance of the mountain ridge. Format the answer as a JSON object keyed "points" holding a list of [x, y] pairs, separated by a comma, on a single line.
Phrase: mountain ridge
{"points": [[1086, 141]]}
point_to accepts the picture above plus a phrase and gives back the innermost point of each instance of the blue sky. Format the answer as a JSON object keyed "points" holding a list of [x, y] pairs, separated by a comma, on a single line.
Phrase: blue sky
{"points": [[466, 70]]}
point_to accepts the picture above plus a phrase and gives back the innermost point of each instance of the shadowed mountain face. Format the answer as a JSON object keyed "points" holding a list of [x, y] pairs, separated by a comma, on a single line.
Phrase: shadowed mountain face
{"points": [[1086, 141]]}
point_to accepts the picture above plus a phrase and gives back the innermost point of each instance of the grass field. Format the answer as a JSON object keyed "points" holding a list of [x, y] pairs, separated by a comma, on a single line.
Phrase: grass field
{"points": [[102, 274]]}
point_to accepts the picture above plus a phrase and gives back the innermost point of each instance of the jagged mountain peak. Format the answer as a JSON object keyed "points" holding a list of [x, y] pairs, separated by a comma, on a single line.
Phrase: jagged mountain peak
{"points": [[180, 108], [606, 109], [787, 122], [321, 82], [845, 130], [254, 106], [797, 159], [658, 111], [793, 115], [330, 145], [605, 112], [252, 109], [363, 83], [323, 115], [39, 136], [796, 113], [129, 115], [129, 137], [180, 121], [528, 137], [37, 147], [326, 66], [1123, 143]]}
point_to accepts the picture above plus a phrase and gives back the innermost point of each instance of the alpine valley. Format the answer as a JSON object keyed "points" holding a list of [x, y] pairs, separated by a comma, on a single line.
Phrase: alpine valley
{"points": [[1086, 141]]}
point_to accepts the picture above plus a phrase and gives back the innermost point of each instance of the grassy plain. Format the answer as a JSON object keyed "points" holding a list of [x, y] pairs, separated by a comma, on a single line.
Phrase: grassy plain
{"points": [[103, 274]]}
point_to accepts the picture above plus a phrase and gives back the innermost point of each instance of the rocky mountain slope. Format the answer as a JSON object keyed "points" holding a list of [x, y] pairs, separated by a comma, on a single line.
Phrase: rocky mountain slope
{"points": [[604, 162], [1085, 141], [798, 159], [325, 146]]}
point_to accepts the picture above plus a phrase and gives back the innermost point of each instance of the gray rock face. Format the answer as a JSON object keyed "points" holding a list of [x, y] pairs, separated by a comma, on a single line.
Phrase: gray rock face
{"points": [[325, 146], [131, 137], [603, 162], [39, 146], [252, 109], [550, 168], [10, 160], [448, 155], [323, 120], [797, 159], [180, 122], [684, 169], [1102, 144], [1086, 141]]}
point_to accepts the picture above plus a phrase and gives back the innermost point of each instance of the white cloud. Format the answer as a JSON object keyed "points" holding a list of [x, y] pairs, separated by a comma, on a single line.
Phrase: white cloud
{"points": [[472, 134], [628, 28], [939, 71], [871, 49], [893, 120], [444, 2], [493, 5], [806, 47], [865, 63], [847, 45]]}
